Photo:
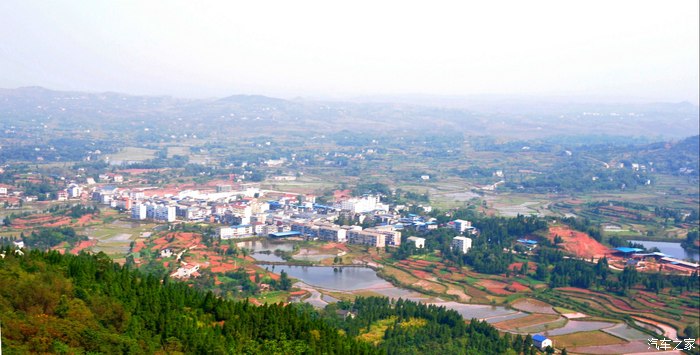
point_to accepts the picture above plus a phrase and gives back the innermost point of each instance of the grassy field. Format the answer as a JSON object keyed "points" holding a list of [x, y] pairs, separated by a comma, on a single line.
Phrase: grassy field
{"points": [[376, 331], [532, 319], [592, 338], [273, 297], [114, 238]]}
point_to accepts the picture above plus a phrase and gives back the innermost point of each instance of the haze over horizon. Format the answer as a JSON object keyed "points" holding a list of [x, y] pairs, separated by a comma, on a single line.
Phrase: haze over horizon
{"points": [[625, 50]]}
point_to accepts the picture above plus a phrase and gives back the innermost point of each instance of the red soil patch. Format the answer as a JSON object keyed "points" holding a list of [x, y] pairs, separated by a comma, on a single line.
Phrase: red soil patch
{"points": [[40, 220], [341, 194], [517, 287], [621, 304], [138, 246], [579, 243], [618, 303], [222, 268], [339, 246], [421, 274], [651, 305], [82, 245], [531, 267], [575, 289], [83, 220], [63, 221], [495, 287], [297, 293]]}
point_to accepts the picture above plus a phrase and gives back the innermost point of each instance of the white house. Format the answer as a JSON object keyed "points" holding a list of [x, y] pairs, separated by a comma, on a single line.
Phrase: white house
{"points": [[166, 253], [419, 242], [541, 341], [462, 244]]}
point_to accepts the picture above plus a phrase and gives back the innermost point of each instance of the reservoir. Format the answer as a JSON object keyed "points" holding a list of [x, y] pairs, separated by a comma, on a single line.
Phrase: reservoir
{"points": [[671, 249], [358, 278], [349, 279]]}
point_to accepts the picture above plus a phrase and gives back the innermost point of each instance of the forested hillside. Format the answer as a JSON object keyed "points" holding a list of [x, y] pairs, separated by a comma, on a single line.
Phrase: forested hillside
{"points": [[73, 304], [57, 303]]}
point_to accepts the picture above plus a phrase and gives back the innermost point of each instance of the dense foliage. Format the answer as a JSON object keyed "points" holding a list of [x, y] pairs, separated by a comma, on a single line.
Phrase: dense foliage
{"points": [[86, 303], [414, 328], [47, 238]]}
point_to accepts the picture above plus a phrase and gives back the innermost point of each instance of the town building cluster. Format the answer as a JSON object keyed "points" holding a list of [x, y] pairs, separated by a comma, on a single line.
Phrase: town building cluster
{"points": [[244, 211]]}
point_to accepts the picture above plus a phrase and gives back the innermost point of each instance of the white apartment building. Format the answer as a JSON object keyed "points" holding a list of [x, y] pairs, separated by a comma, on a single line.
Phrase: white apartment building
{"points": [[365, 237], [363, 204], [165, 213], [233, 232], [462, 244], [461, 225], [332, 233], [138, 211]]}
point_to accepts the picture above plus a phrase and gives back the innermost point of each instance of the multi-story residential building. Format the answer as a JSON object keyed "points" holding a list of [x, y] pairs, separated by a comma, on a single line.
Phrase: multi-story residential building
{"points": [[461, 225], [123, 203], [332, 233], [138, 211], [74, 191], [62, 195], [224, 188], [239, 231], [241, 209], [306, 229], [462, 244], [392, 236], [164, 213], [365, 237], [360, 205]]}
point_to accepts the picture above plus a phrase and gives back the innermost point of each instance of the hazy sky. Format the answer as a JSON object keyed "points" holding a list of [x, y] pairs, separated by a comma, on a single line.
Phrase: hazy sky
{"points": [[628, 49]]}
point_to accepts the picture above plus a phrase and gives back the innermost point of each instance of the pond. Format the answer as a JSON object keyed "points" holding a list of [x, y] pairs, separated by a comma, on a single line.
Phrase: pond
{"points": [[671, 249], [345, 279], [267, 257], [353, 278], [266, 246]]}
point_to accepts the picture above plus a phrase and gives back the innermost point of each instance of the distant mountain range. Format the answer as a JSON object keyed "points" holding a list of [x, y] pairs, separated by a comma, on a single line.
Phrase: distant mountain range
{"points": [[255, 114]]}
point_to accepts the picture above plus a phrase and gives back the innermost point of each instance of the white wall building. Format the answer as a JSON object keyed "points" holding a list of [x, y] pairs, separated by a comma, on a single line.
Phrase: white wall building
{"points": [[138, 211], [74, 191], [232, 232], [541, 341], [165, 213], [417, 241], [461, 225], [363, 204], [462, 244]]}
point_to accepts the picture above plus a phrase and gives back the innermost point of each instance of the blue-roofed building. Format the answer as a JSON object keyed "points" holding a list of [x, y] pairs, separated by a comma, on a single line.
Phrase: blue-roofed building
{"points": [[627, 250], [541, 341], [285, 234], [528, 243]]}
